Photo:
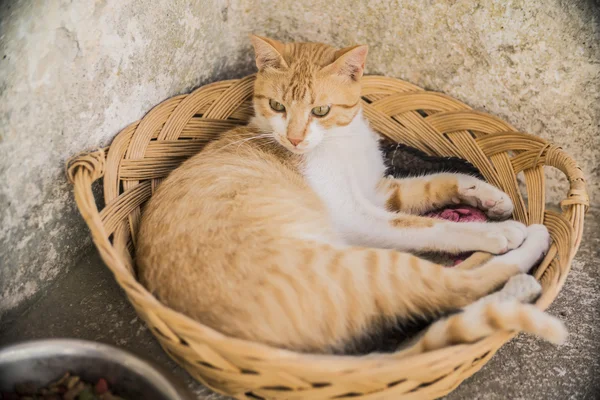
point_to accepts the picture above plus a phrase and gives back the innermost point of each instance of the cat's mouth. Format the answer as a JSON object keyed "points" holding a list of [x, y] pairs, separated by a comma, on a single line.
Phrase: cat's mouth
{"points": [[300, 148]]}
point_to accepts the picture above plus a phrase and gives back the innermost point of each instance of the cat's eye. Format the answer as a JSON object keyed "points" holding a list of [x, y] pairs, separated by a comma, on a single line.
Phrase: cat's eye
{"points": [[321, 111], [277, 106]]}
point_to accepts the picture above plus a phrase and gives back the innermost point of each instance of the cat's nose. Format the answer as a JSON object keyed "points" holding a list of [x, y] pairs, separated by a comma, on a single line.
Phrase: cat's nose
{"points": [[295, 142]]}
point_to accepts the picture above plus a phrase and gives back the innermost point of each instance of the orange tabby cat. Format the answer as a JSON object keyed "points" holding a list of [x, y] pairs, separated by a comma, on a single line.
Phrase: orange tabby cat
{"points": [[286, 231]]}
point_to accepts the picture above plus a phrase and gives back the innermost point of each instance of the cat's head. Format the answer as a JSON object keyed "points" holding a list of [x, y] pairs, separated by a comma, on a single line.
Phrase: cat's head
{"points": [[304, 90]]}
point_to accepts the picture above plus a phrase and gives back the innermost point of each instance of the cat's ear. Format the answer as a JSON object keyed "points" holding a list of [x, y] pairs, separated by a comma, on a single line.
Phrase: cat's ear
{"points": [[349, 61], [268, 52]]}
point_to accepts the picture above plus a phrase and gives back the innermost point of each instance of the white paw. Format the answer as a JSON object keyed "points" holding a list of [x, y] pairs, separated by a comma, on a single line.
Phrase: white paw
{"points": [[532, 250], [538, 239], [501, 237], [537, 243], [490, 199], [522, 287]]}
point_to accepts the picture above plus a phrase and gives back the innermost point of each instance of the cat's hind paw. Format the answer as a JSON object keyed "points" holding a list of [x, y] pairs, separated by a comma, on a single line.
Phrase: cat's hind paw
{"points": [[522, 287]]}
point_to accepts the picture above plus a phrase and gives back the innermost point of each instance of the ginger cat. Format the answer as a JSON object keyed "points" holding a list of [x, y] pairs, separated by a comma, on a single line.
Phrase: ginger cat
{"points": [[286, 231]]}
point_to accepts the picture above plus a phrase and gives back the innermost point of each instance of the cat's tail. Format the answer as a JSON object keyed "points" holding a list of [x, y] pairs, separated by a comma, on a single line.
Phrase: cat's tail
{"points": [[478, 322], [501, 311]]}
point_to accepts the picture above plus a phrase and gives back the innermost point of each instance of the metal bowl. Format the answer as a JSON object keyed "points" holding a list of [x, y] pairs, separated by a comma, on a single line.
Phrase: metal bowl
{"points": [[44, 361]]}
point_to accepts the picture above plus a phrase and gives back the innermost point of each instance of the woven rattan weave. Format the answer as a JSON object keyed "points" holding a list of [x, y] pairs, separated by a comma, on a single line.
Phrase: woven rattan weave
{"points": [[142, 154]]}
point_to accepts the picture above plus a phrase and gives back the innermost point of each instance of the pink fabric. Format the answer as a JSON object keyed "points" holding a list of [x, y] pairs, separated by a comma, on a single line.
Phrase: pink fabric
{"points": [[459, 213]]}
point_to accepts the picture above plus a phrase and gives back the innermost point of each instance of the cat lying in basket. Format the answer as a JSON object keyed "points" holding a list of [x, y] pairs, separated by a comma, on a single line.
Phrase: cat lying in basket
{"points": [[288, 232]]}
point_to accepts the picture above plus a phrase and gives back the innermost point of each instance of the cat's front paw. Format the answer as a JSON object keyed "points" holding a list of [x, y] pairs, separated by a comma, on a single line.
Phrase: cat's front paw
{"points": [[501, 237], [488, 198]]}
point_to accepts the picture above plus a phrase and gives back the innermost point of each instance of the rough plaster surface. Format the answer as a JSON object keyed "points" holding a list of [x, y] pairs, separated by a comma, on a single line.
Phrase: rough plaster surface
{"points": [[88, 304], [73, 73]]}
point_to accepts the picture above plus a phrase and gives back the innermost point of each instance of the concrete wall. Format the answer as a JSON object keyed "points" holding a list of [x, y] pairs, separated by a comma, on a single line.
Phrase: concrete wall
{"points": [[72, 73]]}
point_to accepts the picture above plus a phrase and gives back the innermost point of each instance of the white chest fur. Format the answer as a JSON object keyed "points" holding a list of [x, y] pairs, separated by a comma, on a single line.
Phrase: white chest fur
{"points": [[344, 170]]}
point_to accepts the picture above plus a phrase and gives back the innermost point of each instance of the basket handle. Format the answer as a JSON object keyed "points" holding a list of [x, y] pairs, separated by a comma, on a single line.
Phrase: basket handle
{"points": [[92, 162], [82, 171], [577, 195]]}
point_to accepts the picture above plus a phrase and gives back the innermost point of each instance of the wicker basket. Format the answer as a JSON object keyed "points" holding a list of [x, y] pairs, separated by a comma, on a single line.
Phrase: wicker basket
{"points": [[146, 151]]}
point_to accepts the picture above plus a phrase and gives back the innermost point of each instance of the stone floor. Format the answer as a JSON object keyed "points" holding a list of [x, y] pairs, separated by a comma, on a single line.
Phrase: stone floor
{"points": [[88, 304]]}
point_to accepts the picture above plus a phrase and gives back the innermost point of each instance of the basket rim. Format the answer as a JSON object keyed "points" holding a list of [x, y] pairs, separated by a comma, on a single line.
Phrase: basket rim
{"points": [[83, 170]]}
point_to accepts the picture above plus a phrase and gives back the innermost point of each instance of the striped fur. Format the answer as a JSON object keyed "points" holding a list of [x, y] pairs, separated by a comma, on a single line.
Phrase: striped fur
{"points": [[503, 310], [286, 232]]}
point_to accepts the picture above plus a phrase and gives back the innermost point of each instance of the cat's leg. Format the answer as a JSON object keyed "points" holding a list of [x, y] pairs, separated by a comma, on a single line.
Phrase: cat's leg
{"points": [[471, 285], [429, 287], [375, 227], [422, 194]]}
